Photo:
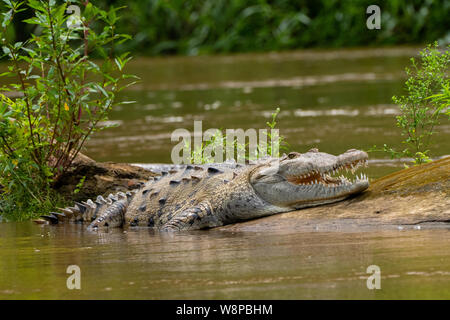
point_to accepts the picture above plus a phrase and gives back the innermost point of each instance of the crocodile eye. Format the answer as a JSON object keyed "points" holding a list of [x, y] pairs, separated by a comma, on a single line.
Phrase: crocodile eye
{"points": [[293, 155], [314, 150]]}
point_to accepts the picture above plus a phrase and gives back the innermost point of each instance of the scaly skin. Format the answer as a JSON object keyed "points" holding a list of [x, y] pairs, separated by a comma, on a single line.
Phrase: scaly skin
{"points": [[198, 197]]}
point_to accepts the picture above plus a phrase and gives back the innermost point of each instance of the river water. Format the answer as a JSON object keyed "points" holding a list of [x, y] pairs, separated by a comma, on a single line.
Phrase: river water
{"points": [[217, 264], [333, 100]]}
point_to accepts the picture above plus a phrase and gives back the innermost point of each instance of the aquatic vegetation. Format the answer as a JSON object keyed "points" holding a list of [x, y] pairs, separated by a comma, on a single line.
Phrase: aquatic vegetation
{"points": [[60, 98], [427, 99]]}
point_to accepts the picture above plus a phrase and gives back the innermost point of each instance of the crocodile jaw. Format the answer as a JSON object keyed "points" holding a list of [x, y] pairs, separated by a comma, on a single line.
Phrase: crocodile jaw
{"points": [[309, 179]]}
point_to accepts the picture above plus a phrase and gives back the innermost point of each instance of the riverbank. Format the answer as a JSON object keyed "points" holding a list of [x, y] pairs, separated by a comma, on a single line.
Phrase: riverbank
{"points": [[100, 178]]}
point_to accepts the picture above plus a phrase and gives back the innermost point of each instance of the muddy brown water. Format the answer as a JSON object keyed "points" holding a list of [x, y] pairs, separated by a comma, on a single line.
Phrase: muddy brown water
{"points": [[217, 264], [333, 100]]}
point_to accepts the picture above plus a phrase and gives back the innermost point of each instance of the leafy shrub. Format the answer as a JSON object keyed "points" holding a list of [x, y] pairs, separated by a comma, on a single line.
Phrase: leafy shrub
{"points": [[427, 99], [61, 96]]}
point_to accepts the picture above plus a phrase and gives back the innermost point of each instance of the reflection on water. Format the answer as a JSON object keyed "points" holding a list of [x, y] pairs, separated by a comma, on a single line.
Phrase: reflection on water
{"points": [[217, 264], [333, 100]]}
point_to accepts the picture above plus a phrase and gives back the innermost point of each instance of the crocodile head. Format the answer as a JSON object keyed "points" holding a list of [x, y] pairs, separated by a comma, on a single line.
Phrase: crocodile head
{"points": [[309, 179]]}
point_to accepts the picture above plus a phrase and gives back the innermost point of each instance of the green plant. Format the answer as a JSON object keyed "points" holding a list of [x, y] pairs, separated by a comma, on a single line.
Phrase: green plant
{"points": [[282, 144], [198, 154], [61, 95], [443, 98], [426, 101], [79, 185], [210, 26], [218, 143]]}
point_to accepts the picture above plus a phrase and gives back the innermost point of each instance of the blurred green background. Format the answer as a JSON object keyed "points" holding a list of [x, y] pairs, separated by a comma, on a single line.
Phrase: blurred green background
{"points": [[196, 27]]}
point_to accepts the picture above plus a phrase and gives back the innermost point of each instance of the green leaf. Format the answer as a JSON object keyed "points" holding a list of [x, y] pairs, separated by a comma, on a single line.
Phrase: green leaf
{"points": [[7, 17], [6, 74], [6, 50], [101, 89]]}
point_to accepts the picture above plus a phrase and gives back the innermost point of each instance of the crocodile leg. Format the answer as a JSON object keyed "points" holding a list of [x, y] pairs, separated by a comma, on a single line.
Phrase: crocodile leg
{"points": [[113, 216], [198, 217]]}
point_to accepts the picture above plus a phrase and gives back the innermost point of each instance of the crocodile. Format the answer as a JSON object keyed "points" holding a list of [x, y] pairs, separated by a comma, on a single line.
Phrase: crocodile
{"points": [[193, 197]]}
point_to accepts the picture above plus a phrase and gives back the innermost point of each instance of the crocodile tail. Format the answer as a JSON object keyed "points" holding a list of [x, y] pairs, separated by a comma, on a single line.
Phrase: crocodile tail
{"points": [[88, 211]]}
